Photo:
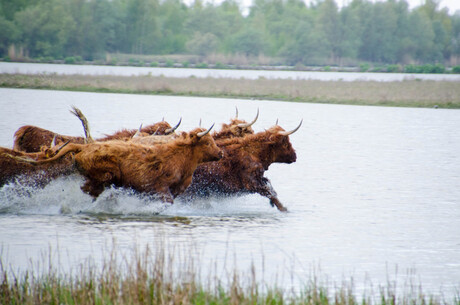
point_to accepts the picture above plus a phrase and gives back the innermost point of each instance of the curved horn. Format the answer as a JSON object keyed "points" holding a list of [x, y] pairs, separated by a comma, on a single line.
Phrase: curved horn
{"points": [[246, 125], [61, 147], [203, 133], [138, 132], [53, 142], [286, 133], [236, 115], [172, 129]]}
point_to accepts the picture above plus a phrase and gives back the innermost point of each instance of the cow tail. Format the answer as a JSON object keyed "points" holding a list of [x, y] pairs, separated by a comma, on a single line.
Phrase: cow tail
{"points": [[69, 148]]}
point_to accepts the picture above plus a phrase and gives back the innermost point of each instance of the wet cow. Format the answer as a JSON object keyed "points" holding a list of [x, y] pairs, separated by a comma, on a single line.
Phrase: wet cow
{"points": [[241, 170], [235, 129], [165, 170], [14, 167], [31, 138]]}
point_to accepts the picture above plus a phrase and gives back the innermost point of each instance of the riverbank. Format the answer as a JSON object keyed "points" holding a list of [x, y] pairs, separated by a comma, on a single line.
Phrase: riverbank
{"points": [[409, 93], [161, 277]]}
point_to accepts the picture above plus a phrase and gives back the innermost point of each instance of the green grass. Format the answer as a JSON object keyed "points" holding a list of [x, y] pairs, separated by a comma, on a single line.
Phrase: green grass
{"points": [[166, 277], [413, 93]]}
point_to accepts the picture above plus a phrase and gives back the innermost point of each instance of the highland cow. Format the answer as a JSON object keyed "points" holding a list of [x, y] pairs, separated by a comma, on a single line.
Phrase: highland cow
{"points": [[241, 170]]}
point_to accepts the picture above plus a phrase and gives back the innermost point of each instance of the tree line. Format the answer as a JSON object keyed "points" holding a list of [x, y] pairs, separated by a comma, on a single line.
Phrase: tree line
{"points": [[321, 33]]}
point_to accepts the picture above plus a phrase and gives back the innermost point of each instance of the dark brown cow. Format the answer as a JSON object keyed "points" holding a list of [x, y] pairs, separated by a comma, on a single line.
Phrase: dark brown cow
{"points": [[165, 169], [12, 166], [31, 138], [241, 170]]}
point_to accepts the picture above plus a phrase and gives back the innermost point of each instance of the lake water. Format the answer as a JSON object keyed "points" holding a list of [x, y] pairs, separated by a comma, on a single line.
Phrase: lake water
{"points": [[374, 194], [30, 68]]}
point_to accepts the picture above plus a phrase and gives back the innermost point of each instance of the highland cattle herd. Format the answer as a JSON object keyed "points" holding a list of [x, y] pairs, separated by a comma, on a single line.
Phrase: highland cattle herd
{"points": [[156, 159]]}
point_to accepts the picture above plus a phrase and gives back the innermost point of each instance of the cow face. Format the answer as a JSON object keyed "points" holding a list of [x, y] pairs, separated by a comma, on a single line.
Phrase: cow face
{"points": [[205, 146], [282, 149]]}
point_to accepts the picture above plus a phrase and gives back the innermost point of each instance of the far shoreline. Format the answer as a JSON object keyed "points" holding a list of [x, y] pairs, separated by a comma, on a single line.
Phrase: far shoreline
{"points": [[407, 93]]}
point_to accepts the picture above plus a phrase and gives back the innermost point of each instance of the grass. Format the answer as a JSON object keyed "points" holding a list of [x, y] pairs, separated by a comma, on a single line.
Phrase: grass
{"points": [[165, 277], [410, 93]]}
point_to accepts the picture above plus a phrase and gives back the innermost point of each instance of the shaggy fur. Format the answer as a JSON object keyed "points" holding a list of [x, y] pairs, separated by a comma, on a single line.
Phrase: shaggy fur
{"points": [[241, 170], [11, 167], [31, 138], [165, 169], [232, 130]]}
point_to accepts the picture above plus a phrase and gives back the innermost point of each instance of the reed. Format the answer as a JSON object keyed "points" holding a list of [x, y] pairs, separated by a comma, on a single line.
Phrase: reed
{"points": [[410, 93], [166, 277]]}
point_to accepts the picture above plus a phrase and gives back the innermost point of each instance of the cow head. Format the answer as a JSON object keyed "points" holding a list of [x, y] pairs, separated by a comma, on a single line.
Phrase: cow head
{"points": [[236, 128], [204, 146], [281, 150], [160, 128]]}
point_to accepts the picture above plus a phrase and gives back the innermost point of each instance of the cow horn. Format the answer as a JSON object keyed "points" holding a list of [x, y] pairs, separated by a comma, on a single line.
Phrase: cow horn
{"points": [[246, 125], [276, 123], [138, 132], [286, 133], [53, 142], [203, 133], [199, 124], [172, 129], [236, 115], [61, 147]]}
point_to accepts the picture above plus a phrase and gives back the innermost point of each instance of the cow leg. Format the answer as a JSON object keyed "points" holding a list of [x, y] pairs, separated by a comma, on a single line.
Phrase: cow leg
{"points": [[266, 189], [92, 188], [165, 195], [95, 184]]}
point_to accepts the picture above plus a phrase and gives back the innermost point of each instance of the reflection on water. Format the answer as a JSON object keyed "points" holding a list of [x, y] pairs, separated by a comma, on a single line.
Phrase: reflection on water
{"points": [[374, 190]]}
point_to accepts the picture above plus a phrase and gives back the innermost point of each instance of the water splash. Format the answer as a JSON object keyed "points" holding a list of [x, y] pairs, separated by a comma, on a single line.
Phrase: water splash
{"points": [[63, 196]]}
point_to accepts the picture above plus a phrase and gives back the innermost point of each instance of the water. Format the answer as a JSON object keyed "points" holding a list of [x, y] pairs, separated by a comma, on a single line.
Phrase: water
{"points": [[373, 196], [29, 68]]}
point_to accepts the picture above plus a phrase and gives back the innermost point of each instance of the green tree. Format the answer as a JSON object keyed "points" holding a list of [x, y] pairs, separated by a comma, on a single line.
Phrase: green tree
{"points": [[9, 35], [46, 28], [203, 44], [328, 29]]}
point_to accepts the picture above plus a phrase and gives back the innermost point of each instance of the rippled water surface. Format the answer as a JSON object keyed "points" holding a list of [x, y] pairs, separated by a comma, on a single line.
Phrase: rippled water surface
{"points": [[374, 194]]}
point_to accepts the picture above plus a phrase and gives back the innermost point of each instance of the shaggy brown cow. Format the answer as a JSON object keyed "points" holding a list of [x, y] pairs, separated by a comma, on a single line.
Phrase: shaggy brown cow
{"points": [[165, 169], [241, 170], [236, 128], [12, 166], [31, 138]]}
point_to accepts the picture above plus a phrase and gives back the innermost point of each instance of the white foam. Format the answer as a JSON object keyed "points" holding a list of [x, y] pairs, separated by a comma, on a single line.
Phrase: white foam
{"points": [[64, 196]]}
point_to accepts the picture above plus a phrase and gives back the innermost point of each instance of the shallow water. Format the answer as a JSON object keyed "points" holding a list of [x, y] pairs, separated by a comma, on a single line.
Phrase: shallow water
{"points": [[374, 194], [29, 68]]}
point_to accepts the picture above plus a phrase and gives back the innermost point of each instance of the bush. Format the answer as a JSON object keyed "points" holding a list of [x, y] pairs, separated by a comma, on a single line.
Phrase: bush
{"points": [[202, 65], [70, 60], [456, 69], [169, 63], [220, 65], [411, 69], [154, 64], [185, 64], [364, 67], [393, 68], [427, 68]]}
